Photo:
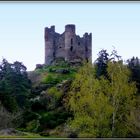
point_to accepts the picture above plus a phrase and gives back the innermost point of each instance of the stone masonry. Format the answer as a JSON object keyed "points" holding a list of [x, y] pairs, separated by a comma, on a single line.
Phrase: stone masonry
{"points": [[68, 45]]}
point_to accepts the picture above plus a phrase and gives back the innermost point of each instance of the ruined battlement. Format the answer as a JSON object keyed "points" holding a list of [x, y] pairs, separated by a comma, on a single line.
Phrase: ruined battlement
{"points": [[70, 28], [67, 45]]}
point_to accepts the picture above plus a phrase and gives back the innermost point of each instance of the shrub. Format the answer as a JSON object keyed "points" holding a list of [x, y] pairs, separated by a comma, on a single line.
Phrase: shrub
{"points": [[33, 125], [29, 116], [53, 118], [51, 79]]}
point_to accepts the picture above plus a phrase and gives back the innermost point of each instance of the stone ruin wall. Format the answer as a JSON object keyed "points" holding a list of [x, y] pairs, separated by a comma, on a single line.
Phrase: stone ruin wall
{"points": [[67, 45]]}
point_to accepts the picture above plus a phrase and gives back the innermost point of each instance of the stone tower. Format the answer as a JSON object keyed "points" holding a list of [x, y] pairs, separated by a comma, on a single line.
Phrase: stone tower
{"points": [[69, 41], [67, 45], [49, 44]]}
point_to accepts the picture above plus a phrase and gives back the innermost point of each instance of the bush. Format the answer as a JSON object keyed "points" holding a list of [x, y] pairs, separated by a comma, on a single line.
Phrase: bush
{"points": [[37, 106], [53, 119], [51, 79], [54, 93], [29, 116], [33, 126], [9, 102], [47, 120]]}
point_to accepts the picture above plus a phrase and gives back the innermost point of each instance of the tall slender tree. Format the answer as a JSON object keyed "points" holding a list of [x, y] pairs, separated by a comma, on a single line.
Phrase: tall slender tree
{"points": [[103, 107]]}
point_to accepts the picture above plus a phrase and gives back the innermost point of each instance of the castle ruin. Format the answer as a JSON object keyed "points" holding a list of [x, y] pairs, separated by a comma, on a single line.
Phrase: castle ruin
{"points": [[67, 45]]}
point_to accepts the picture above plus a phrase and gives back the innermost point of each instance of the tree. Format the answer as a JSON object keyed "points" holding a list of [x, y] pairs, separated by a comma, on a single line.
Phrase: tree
{"points": [[90, 106], [134, 66], [14, 85], [50, 99], [103, 58], [102, 107], [114, 56], [122, 97], [101, 63], [20, 83]]}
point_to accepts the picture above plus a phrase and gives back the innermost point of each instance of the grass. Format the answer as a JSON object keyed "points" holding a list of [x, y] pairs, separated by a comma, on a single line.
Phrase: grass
{"points": [[50, 76], [31, 137], [26, 135]]}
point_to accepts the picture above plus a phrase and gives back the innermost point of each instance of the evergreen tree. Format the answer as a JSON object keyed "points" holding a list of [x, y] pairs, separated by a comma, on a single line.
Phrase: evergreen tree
{"points": [[101, 63], [134, 66], [14, 85]]}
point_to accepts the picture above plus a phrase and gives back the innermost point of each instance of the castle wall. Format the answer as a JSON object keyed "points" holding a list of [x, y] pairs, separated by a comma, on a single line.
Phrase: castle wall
{"points": [[60, 47], [67, 45], [80, 48], [69, 42], [49, 45]]}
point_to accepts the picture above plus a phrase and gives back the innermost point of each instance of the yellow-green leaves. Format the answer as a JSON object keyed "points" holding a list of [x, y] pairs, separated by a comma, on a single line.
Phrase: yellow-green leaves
{"points": [[122, 97], [90, 105], [101, 106]]}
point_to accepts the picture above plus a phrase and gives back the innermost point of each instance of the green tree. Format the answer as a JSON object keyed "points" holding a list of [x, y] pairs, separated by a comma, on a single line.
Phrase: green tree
{"points": [[102, 107], [134, 66], [90, 106], [101, 63], [122, 98], [20, 83], [14, 85], [50, 99]]}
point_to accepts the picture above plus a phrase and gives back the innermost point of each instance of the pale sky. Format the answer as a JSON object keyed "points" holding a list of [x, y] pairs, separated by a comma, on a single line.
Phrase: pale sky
{"points": [[111, 24]]}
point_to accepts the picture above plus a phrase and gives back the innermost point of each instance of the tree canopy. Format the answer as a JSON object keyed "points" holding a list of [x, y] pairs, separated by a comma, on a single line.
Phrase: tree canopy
{"points": [[14, 85], [102, 107]]}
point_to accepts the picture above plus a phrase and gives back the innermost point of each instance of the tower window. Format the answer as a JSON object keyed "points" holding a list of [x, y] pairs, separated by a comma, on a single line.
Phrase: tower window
{"points": [[54, 42], [86, 49], [78, 43], [71, 41], [71, 48], [53, 54]]}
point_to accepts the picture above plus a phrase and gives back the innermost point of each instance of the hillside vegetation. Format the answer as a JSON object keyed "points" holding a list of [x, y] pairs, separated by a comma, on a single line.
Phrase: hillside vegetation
{"points": [[71, 99]]}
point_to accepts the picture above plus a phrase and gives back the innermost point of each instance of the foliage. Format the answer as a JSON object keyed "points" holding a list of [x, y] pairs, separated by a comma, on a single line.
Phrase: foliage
{"points": [[50, 109], [101, 63], [55, 73], [134, 66], [51, 119], [100, 103], [122, 96], [55, 95], [102, 107], [55, 78], [51, 98], [51, 79], [14, 85], [30, 122], [33, 125], [90, 117]]}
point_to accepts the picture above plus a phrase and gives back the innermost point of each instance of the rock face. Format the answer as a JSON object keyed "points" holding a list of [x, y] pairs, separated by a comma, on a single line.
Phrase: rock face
{"points": [[67, 45], [11, 132]]}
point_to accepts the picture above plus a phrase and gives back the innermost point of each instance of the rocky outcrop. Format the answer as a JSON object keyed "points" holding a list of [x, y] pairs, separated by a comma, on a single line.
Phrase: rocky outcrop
{"points": [[11, 132]]}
